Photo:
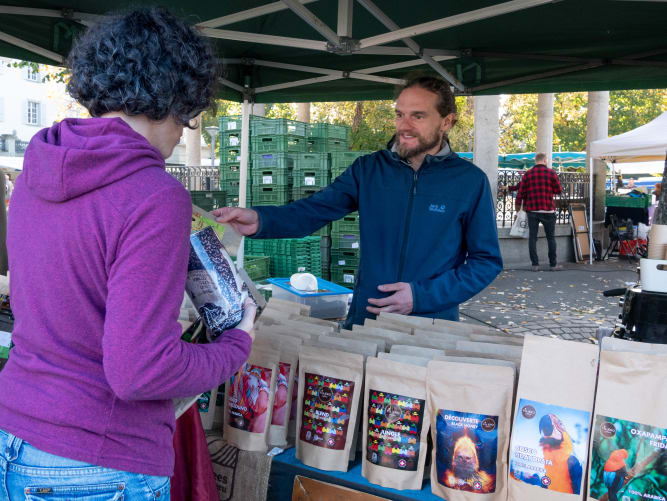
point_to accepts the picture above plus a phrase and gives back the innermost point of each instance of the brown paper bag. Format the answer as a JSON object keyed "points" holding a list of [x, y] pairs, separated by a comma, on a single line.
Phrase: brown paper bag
{"points": [[476, 360], [504, 339], [330, 384], [384, 324], [395, 424], [365, 348], [391, 337], [470, 407], [315, 321], [249, 401], [404, 359], [502, 350], [443, 336], [552, 419], [416, 351], [378, 340], [628, 453], [280, 304]]}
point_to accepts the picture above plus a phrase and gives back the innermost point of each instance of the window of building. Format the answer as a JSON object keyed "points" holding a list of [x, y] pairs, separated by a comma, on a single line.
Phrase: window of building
{"points": [[32, 115], [32, 75]]}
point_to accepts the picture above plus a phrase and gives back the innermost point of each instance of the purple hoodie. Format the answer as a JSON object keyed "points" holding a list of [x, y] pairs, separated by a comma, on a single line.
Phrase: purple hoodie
{"points": [[98, 250]]}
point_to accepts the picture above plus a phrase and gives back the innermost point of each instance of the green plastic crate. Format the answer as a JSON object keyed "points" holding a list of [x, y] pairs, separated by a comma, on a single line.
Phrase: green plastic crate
{"points": [[346, 257], [272, 177], [273, 160], [349, 223], [304, 192], [230, 172], [623, 201], [271, 195], [230, 139], [262, 126], [310, 178], [341, 160], [344, 275], [257, 267], [345, 240], [324, 231], [321, 145], [230, 155], [226, 124], [329, 131], [309, 161], [277, 143], [209, 200]]}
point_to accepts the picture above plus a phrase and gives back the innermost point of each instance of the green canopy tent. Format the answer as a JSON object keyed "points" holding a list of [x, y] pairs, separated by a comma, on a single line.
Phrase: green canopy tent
{"points": [[310, 50]]}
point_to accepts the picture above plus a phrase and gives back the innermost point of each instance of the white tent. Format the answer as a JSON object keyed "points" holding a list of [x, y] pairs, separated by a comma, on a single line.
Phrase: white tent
{"points": [[643, 144]]}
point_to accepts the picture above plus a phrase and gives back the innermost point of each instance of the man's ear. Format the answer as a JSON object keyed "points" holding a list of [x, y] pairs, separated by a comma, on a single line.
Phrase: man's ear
{"points": [[448, 122]]}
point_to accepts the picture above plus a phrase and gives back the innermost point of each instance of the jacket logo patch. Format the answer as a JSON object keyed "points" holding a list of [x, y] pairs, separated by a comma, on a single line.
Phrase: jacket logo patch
{"points": [[437, 208]]}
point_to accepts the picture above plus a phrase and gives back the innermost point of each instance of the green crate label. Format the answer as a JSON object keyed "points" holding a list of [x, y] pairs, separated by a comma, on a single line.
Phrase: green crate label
{"points": [[231, 125], [327, 403], [309, 181], [394, 429], [628, 460], [233, 140], [348, 279], [341, 262], [267, 179]]}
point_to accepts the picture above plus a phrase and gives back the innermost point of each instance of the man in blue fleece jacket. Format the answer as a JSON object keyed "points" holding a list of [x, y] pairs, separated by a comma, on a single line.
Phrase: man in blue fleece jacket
{"points": [[427, 221]]}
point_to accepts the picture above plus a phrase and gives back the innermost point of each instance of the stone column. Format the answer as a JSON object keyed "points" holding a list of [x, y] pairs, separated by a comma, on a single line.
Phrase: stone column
{"points": [[303, 112], [545, 125], [597, 117], [487, 134]]}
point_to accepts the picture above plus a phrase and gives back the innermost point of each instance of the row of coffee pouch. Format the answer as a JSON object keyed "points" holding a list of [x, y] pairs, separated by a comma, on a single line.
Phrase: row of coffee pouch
{"points": [[628, 453], [249, 397], [552, 419]]}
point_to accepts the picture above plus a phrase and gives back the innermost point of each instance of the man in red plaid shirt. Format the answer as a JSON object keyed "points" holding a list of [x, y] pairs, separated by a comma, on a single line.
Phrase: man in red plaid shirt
{"points": [[536, 192]]}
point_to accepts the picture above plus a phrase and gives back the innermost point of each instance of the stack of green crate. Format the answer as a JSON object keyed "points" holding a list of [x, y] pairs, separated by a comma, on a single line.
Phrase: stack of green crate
{"points": [[288, 255], [275, 144], [345, 250], [325, 138], [229, 150], [311, 174]]}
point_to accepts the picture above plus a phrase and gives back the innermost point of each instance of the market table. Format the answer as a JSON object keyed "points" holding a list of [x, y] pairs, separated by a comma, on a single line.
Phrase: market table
{"points": [[285, 467]]}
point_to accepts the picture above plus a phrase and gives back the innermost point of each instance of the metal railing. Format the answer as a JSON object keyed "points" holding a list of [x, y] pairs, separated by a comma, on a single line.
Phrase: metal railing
{"points": [[197, 178], [21, 146], [575, 190]]}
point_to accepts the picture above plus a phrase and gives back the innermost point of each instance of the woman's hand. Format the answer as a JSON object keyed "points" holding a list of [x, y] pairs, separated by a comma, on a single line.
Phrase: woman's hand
{"points": [[248, 321]]}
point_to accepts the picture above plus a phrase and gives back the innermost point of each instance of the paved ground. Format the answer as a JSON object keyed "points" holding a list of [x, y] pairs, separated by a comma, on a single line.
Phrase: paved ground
{"points": [[568, 304]]}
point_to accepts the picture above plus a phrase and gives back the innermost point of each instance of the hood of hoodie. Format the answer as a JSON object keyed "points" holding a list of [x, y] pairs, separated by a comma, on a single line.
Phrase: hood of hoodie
{"points": [[78, 155]]}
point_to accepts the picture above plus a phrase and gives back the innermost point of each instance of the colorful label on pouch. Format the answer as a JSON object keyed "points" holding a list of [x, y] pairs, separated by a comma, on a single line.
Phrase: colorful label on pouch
{"points": [[280, 399], [327, 403], [549, 446], [249, 398], [466, 451], [394, 429], [628, 461]]}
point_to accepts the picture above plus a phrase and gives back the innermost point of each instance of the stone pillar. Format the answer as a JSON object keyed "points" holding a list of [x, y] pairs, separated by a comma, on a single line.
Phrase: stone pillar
{"points": [[303, 112], [545, 125], [487, 134], [258, 109], [597, 117], [192, 139]]}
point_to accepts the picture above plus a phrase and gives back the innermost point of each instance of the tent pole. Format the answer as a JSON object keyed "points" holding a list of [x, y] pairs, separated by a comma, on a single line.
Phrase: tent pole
{"points": [[247, 14], [590, 211], [243, 181]]}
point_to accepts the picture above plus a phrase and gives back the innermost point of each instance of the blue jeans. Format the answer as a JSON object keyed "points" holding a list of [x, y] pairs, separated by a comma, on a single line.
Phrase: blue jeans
{"points": [[28, 474]]}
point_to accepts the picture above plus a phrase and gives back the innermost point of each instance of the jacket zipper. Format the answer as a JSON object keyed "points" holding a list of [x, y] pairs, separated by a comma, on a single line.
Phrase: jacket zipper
{"points": [[413, 192]]}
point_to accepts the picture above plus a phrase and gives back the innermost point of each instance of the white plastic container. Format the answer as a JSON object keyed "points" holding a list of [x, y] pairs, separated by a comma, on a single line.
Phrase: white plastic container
{"points": [[653, 273], [329, 301]]}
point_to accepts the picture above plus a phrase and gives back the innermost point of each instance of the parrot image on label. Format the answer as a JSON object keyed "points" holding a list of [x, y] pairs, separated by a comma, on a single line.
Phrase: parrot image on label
{"points": [[614, 474], [562, 467]]}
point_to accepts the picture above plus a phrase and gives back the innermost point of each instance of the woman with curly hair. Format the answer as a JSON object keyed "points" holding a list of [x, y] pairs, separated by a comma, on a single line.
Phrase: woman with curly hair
{"points": [[98, 248]]}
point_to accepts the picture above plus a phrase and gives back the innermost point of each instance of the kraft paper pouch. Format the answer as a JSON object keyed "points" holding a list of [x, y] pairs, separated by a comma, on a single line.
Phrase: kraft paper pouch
{"points": [[214, 284], [249, 396], [470, 407], [281, 304], [511, 340], [628, 456], [382, 324], [552, 419], [365, 348], [404, 359], [391, 337], [502, 350], [312, 329], [406, 320], [395, 424], [378, 340], [262, 330], [443, 336], [416, 351], [287, 367], [330, 387], [315, 321], [475, 360], [453, 326], [430, 324]]}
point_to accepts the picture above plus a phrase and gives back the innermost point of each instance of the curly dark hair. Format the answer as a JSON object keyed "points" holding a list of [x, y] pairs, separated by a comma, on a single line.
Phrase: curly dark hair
{"points": [[446, 103], [144, 62]]}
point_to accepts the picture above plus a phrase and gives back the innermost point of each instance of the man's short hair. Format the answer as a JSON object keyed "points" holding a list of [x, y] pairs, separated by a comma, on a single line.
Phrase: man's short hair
{"points": [[446, 103], [143, 62], [541, 158]]}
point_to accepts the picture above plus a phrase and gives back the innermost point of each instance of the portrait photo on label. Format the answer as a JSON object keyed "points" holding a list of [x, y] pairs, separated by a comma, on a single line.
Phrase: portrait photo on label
{"points": [[628, 461], [249, 398], [466, 451], [394, 430], [549, 446], [326, 410]]}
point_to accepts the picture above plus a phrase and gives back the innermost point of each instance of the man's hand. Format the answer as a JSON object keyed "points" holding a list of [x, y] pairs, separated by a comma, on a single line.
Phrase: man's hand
{"points": [[399, 302], [244, 221]]}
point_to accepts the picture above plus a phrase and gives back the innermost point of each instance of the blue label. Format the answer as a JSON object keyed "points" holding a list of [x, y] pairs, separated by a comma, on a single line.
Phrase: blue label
{"points": [[437, 208]]}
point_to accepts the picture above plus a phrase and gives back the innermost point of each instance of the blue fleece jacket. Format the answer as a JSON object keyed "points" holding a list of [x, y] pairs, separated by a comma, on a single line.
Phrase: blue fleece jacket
{"points": [[434, 228]]}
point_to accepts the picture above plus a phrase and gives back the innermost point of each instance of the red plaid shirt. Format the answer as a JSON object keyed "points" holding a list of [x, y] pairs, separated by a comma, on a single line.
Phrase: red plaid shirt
{"points": [[537, 189]]}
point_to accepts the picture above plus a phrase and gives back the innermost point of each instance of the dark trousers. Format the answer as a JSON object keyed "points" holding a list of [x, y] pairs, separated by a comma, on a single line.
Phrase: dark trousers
{"points": [[548, 220]]}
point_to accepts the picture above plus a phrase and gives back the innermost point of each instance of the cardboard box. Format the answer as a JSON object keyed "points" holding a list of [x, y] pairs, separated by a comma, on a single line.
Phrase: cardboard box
{"points": [[308, 489]]}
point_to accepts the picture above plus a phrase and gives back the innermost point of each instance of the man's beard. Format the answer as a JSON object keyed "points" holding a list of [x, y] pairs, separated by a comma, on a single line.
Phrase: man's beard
{"points": [[424, 144], [464, 470]]}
